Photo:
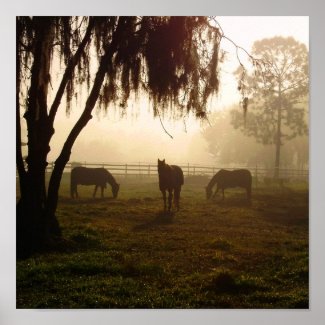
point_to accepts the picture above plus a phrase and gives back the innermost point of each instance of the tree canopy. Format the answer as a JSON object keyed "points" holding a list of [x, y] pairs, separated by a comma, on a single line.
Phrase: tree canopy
{"points": [[172, 59], [230, 147], [278, 90]]}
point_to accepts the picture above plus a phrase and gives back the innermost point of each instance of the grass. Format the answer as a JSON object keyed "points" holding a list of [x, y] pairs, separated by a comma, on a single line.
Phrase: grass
{"points": [[127, 253]]}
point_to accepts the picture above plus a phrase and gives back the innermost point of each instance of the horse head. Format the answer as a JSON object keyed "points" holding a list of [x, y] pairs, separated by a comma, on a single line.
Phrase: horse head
{"points": [[115, 189], [161, 165], [208, 192]]}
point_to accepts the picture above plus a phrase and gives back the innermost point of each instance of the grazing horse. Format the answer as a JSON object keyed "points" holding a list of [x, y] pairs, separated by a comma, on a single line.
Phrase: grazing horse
{"points": [[226, 179], [171, 179], [92, 176]]}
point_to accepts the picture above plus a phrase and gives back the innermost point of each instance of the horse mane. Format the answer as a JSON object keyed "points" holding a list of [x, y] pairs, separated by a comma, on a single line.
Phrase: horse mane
{"points": [[110, 179], [213, 181]]}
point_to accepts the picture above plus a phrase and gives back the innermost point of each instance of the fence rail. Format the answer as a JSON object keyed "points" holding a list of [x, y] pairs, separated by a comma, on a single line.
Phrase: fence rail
{"points": [[150, 169]]}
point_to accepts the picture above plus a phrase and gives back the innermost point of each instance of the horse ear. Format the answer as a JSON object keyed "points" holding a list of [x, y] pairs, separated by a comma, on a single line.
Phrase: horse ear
{"points": [[163, 161]]}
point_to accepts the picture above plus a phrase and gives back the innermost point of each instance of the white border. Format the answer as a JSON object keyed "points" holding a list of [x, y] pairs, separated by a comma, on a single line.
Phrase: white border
{"points": [[314, 9]]}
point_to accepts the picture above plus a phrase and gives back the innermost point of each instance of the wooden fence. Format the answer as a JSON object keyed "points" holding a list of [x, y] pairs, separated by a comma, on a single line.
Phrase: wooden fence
{"points": [[150, 169]]}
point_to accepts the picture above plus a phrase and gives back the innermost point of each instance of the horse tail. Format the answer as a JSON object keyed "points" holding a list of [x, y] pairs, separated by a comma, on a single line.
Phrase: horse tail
{"points": [[181, 177]]}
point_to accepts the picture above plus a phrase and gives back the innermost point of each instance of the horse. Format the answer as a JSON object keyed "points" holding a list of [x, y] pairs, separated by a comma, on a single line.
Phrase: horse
{"points": [[92, 176], [171, 179], [227, 179]]}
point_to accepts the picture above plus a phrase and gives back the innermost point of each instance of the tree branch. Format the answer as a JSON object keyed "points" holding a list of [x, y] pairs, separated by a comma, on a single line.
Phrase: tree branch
{"points": [[69, 70], [163, 124]]}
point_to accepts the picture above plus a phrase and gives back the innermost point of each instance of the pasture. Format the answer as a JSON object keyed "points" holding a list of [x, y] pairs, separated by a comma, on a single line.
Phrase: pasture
{"points": [[127, 253]]}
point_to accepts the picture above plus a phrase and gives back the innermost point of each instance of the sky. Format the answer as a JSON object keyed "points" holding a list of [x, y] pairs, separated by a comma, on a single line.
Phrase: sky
{"points": [[140, 138], [244, 31]]}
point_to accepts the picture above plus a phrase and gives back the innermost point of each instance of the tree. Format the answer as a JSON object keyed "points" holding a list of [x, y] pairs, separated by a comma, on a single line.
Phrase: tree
{"points": [[230, 146], [173, 60], [278, 87]]}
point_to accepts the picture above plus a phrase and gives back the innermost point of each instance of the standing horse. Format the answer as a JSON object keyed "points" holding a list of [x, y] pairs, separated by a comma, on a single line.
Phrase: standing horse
{"points": [[226, 179], [171, 179], [92, 176]]}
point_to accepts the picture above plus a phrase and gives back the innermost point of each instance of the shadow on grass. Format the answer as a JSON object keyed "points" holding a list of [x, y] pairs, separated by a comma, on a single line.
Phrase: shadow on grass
{"points": [[162, 218], [288, 216], [225, 282], [77, 242], [234, 201], [88, 200]]}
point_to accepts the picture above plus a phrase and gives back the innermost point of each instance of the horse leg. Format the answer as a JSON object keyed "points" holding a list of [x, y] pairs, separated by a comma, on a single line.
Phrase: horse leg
{"points": [[177, 193], [95, 190], [249, 192], [170, 199], [76, 191], [223, 193], [102, 191], [72, 190], [164, 198], [215, 193]]}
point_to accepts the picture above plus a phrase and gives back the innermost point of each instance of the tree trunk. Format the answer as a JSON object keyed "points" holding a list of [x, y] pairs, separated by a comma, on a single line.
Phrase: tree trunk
{"points": [[35, 228], [36, 225], [32, 223], [277, 153], [278, 137]]}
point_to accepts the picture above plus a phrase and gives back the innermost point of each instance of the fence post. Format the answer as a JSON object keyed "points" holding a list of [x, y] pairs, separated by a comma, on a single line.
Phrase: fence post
{"points": [[188, 169], [126, 170]]}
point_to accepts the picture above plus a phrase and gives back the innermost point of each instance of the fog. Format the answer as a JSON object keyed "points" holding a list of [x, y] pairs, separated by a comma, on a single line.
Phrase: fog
{"points": [[111, 138], [138, 137]]}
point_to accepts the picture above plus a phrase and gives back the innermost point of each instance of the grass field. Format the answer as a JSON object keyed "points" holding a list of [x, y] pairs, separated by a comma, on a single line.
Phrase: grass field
{"points": [[126, 253]]}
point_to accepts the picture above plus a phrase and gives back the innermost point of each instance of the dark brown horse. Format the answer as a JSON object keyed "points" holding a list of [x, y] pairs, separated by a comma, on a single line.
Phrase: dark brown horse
{"points": [[226, 179], [171, 179], [92, 176]]}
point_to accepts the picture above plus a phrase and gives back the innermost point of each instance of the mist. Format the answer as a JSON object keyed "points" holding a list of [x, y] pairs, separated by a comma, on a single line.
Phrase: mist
{"points": [[140, 138]]}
